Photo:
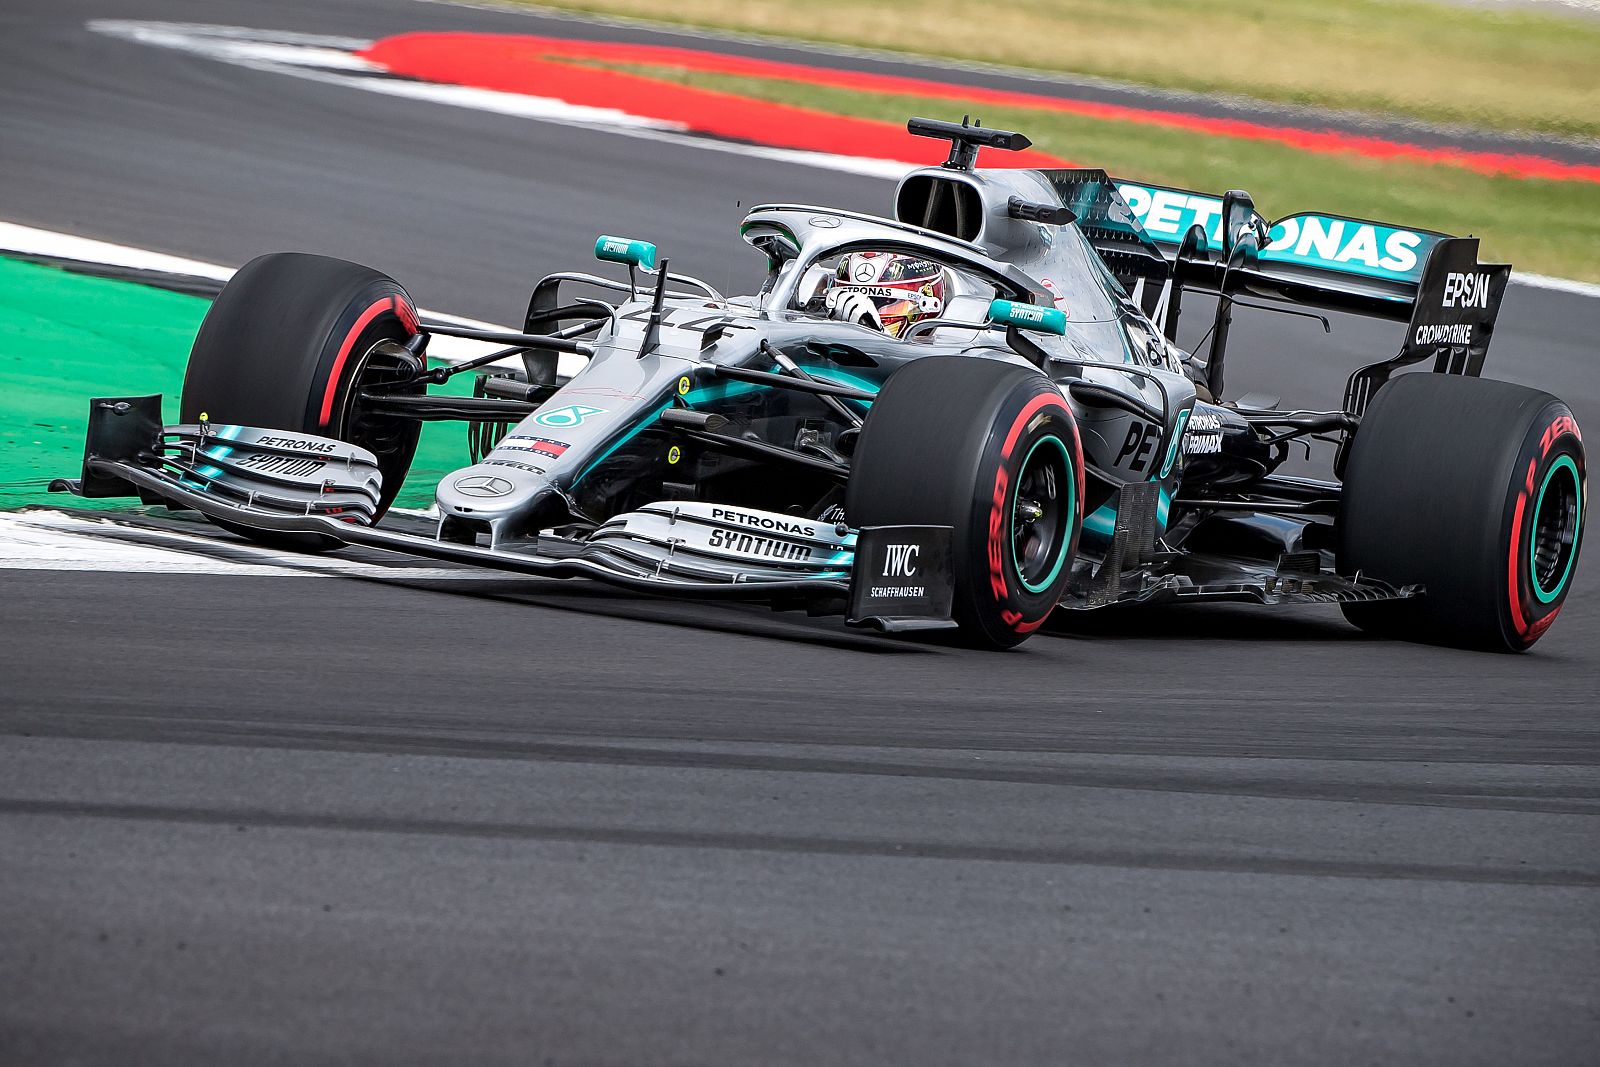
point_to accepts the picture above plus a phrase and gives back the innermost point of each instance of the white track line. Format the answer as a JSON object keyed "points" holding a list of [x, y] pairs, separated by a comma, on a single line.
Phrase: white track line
{"points": [[49, 541], [61, 541], [328, 60], [30, 240], [1560, 285], [306, 56]]}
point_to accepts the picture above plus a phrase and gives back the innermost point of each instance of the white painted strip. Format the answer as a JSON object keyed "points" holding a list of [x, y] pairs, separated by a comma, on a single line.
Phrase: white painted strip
{"points": [[518, 105], [1560, 285], [37, 242], [560, 113], [299, 57], [306, 56], [30, 240], [60, 541], [51, 541], [130, 28], [284, 52], [1581, 7]]}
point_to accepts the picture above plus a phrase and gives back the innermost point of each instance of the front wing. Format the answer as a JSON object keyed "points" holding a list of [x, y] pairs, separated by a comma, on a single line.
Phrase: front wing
{"points": [[319, 491]]}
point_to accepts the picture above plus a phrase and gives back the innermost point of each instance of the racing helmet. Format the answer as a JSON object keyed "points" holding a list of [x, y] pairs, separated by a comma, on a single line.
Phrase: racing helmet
{"points": [[887, 290]]}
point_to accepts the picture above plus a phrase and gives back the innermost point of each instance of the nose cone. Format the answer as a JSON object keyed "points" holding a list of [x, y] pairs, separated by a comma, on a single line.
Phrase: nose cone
{"points": [[491, 492]]}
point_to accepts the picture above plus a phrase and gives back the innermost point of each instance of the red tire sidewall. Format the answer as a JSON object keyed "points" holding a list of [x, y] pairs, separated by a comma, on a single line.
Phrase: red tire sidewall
{"points": [[382, 311], [1003, 606], [1554, 434]]}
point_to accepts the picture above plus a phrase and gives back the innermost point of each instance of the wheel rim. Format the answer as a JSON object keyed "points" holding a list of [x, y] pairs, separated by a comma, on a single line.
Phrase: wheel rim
{"points": [[389, 438], [1557, 515], [1042, 506]]}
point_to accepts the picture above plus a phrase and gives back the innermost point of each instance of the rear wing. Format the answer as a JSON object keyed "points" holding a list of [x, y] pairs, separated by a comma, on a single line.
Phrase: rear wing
{"points": [[1364, 265], [1163, 241], [1331, 261]]}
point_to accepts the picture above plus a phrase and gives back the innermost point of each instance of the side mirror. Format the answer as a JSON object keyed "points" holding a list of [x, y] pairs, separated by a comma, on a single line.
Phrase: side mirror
{"points": [[623, 250], [1241, 226], [1028, 316]]}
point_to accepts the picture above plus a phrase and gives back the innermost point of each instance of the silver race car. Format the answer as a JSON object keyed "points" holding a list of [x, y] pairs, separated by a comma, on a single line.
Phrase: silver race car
{"points": [[967, 417]]}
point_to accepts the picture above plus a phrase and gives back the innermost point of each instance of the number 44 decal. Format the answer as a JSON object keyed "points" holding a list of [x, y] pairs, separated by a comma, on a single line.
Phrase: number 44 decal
{"points": [[563, 418]]}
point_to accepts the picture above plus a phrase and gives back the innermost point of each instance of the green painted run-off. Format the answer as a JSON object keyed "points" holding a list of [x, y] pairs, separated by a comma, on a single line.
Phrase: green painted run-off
{"points": [[65, 337]]}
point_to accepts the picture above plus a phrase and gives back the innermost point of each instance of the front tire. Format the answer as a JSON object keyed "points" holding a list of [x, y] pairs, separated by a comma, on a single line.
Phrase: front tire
{"points": [[1476, 490], [289, 344], [991, 450]]}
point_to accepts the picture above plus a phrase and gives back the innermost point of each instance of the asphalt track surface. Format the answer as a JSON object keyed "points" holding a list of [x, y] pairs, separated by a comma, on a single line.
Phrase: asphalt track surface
{"points": [[258, 819]]}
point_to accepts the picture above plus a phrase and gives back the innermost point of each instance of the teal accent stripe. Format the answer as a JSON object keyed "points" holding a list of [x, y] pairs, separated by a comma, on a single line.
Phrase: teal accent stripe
{"points": [[227, 433], [839, 377], [1102, 522], [1072, 505], [726, 389], [722, 391], [640, 427], [1177, 439], [1562, 463]]}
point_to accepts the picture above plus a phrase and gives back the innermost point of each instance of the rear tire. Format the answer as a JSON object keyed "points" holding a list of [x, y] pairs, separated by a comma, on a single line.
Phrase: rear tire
{"points": [[1476, 490], [288, 345], [991, 450]]}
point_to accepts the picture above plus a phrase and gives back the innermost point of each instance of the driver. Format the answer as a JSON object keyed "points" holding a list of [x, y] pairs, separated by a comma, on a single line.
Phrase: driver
{"points": [[886, 291]]}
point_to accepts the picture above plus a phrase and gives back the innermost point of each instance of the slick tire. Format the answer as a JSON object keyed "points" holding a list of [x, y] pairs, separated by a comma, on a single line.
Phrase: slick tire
{"points": [[1476, 490], [991, 450], [288, 345]]}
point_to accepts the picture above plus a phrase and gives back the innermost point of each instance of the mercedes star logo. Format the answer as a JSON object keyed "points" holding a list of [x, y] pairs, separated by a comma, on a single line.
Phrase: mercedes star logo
{"points": [[483, 485], [865, 271]]}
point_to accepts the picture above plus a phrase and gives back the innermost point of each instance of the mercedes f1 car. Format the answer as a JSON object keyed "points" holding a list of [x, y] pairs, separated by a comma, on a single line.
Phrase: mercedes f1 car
{"points": [[967, 416]]}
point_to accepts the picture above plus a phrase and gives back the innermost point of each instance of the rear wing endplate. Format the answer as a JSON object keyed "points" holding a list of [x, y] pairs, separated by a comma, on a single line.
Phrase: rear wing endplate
{"points": [[1452, 318]]}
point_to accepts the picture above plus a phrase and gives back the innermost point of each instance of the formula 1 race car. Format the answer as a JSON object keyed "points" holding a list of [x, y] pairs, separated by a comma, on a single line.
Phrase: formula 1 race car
{"points": [[969, 416]]}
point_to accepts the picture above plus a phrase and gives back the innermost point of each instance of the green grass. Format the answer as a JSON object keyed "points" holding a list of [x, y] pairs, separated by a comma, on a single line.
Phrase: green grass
{"points": [[1506, 69], [1540, 226], [66, 337]]}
